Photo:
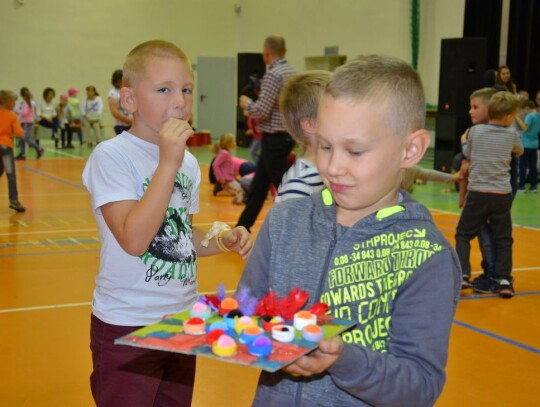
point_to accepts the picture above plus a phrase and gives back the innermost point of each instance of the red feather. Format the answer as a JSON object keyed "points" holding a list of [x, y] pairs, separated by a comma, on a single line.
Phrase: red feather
{"points": [[319, 309], [286, 307]]}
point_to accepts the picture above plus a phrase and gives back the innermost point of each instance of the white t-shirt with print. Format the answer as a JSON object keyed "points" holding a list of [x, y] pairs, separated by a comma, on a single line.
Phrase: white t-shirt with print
{"points": [[133, 290]]}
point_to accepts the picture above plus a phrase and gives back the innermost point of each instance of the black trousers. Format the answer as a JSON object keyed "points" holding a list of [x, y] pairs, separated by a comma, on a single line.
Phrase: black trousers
{"points": [[272, 164], [481, 208]]}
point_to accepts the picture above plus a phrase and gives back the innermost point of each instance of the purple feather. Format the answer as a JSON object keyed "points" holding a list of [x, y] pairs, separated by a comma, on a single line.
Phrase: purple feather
{"points": [[221, 292], [246, 302]]}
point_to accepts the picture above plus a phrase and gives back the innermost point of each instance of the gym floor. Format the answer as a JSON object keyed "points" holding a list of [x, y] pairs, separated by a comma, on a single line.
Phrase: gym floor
{"points": [[49, 258]]}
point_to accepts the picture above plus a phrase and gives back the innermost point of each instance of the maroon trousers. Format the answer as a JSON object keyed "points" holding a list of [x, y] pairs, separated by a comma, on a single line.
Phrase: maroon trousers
{"points": [[128, 376]]}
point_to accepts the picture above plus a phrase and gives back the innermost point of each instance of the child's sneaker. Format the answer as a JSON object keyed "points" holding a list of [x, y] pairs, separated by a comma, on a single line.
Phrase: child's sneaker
{"points": [[485, 285], [20, 157], [465, 283], [239, 198], [17, 206], [217, 188], [506, 290], [40, 153]]}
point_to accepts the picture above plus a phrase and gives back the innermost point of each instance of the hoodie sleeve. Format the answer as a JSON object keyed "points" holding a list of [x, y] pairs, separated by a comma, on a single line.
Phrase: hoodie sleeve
{"points": [[412, 372], [256, 272]]}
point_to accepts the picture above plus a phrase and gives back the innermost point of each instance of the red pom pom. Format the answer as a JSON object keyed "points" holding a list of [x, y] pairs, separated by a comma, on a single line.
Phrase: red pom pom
{"points": [[214, 336]]}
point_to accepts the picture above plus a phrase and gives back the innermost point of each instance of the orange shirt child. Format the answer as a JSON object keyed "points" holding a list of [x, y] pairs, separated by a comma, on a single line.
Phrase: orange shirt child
{"points": [[9, 125]]}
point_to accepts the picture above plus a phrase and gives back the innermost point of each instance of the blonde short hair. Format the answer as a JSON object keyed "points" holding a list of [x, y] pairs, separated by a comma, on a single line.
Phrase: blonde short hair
{"points": [[6, 95], [503, 104], [135, 63], [299, 99], [484, 94], [387, 80]]}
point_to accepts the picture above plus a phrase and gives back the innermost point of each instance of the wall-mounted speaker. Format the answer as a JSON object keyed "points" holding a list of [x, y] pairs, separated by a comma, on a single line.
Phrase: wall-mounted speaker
{"points": [[463, 64]]}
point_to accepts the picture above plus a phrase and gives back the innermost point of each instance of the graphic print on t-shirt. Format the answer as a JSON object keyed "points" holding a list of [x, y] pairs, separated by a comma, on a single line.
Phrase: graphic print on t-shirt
{"points": [[171, 255]]}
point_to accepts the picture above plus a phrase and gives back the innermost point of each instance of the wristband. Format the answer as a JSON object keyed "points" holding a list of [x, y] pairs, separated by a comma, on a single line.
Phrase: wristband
{"points": [[214, 231], [219, 242]]}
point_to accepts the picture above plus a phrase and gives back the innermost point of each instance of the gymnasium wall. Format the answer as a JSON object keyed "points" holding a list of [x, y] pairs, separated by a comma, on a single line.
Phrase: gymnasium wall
{"points": [[65, 43]]}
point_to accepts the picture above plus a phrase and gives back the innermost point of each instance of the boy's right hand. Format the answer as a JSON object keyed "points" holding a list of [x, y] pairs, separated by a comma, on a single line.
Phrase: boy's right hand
{"points": [[172, 141], [319, 360]]}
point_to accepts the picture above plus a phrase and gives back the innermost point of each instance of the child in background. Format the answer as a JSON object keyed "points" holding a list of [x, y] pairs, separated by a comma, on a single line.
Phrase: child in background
{"points": [[144, 186], [298, 101], [9, 126], [489, 149], [529, 138], [243, 169], [91, 111], [365, 248], [26, 109], [122, 118], [256, 137], [223, 167], [74, 110], [47, 114], [66, 135], [479, 102], [252, 90]]}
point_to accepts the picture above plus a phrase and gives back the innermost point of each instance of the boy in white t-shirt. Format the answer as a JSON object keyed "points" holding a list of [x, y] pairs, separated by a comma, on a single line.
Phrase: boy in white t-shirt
{"points": [[145, 189]]}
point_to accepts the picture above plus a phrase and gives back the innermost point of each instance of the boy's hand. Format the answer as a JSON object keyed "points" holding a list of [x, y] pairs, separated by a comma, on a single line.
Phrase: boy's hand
{"points": [[172, 141], [238, 240], [319, 360]]}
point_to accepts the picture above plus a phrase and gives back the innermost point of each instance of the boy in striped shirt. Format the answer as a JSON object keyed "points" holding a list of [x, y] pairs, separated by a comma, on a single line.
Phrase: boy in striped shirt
{"points": [[489, 149], [299, 101]]}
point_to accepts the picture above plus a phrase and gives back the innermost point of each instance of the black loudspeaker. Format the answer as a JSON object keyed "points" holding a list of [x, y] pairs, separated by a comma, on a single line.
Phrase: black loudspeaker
{"points": [[250, 67], [463, 64]]}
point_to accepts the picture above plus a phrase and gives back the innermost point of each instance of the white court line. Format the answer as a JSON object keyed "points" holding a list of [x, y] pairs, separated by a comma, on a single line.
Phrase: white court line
{"points": [[72, 305], [37, 232], [48, 232]]}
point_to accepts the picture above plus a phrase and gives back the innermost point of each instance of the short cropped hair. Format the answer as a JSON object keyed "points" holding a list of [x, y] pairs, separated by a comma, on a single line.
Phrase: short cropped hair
{"points": [[135, 63], [484, 94], [387, 80], [276, 44], [6, 95], [116, 78], [502, 104], [299, 99]]}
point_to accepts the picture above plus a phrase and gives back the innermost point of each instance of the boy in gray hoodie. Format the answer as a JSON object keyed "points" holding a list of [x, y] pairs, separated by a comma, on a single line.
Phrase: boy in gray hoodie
{"points": [[365, 248]]}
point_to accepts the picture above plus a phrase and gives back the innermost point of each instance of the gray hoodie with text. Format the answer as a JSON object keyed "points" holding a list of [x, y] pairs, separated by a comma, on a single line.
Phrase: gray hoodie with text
{"points": [[393, 272]]}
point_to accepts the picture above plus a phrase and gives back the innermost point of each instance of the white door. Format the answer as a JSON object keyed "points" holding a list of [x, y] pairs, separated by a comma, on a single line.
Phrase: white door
{"points": [[216, 84]]}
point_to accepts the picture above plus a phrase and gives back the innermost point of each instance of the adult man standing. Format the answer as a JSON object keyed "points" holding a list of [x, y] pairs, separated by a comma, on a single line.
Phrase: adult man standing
{"points": [[276, 143]]}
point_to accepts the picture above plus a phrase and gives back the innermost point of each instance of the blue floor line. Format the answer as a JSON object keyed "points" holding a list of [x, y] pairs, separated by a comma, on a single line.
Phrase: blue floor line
{"points": [[500, 338], [490, 296]]}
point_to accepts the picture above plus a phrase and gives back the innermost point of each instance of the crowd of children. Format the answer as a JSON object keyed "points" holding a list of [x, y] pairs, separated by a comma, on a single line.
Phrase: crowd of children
{"points": [[361, 136], [65, 117]]}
